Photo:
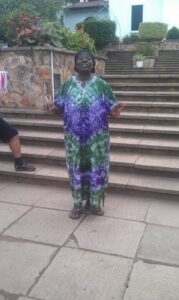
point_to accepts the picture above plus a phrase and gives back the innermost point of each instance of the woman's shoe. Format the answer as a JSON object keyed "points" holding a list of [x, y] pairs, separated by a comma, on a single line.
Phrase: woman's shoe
{"points": [[86, 208], [96, 211], [75, 213]]}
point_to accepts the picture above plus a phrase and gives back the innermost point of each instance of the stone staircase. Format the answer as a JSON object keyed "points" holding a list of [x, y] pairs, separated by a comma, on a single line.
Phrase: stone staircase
{"points": [[120, 62], [144, 140]]}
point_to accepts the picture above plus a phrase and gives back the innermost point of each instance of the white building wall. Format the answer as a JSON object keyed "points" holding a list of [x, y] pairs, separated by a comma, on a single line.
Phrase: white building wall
{"points": [[73, 17], [171, 12], [120, 12]]}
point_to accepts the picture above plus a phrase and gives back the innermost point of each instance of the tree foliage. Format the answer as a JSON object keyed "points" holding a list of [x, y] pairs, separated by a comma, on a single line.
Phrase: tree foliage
{"points": [[101, 31], [173, 34], [47, 10]]}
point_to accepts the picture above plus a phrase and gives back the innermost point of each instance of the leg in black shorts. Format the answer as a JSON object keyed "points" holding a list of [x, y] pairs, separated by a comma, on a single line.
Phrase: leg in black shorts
{"points": [[9, 135], [7, 131]]}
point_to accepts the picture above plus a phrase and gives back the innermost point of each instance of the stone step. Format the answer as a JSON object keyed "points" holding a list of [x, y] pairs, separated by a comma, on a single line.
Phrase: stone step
{"points": [[160, 68], [158, 63], [150, 107], [152, 69], [121, 60], [152, 161], [116, 53], [127, 136], [147, 116], [141, 78], [166, 130], [166, 64], [167, 57], [57, 175], [141, 71], [149, 94], [141, 143], [48, 154], [130, 69], [126, 116], [41, 124], [35, 114], [163, 129], [150, 87]]}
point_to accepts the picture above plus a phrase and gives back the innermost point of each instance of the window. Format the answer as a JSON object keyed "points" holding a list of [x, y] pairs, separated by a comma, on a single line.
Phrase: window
{"points": [[136, 17]]}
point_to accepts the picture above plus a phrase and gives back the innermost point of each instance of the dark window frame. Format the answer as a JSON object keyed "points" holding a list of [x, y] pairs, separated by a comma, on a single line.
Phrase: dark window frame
{"points": [[136, 16]]}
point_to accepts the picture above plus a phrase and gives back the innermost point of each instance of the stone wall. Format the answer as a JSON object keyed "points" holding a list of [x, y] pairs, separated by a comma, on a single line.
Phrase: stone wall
{"points": [[30, 74], [161, 45]]}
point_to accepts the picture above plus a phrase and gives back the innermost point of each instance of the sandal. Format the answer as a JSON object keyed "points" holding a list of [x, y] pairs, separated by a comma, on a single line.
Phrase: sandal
{"points": [[75, 213], [86, 208], [96, 211]]}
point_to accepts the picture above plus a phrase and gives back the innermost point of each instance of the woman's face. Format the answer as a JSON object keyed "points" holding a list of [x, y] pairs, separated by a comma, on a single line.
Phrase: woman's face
{"points": [[84, 63]]}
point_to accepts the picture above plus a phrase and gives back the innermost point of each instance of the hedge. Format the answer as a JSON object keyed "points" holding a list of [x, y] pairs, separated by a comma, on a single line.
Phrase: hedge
{"points": [[152, 31]]}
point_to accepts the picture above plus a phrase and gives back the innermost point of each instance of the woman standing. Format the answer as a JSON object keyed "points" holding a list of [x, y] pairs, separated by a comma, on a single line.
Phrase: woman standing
{"points": [[86, 101]]}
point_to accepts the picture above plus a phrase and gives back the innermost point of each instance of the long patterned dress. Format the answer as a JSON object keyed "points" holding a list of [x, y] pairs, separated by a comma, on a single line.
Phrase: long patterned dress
{"points": [[86, 110]]}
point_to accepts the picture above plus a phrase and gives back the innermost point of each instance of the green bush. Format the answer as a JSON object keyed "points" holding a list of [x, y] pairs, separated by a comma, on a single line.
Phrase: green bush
{"points": [[101, 31], [152, 31], [145, 49], [131, 38], [77, 40], [10, 20], [10, 9], [25, 30], [40, 34], [138, 57], [173, 34]]}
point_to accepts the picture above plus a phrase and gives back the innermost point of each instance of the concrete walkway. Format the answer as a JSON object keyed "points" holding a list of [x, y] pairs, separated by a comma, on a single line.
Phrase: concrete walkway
{"points": [[132, 253]]}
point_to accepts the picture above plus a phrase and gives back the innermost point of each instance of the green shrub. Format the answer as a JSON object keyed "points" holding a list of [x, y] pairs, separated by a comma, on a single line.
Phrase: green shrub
{"points": [[131, 38], [10, 9], [77, 40], [138, 57], [10, 21], [173, 34], [29, 31], [145, 49], [101, 31], [152, 31]]}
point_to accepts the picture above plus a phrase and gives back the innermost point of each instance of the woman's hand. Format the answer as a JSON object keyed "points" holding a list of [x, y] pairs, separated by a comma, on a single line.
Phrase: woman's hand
{"points": [[117, 110], [49, 107]]}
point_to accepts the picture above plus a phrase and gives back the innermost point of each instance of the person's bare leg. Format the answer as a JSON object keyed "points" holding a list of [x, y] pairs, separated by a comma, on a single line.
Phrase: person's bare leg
{"points": [[20, 164], [15, 146]]}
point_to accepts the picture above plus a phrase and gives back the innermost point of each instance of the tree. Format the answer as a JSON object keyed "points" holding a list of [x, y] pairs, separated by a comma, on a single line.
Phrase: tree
{"points": [[47, 10]]}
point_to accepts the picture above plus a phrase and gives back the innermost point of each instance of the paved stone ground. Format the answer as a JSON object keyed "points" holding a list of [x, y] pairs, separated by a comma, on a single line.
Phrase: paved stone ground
{"points": [[131, 253]]}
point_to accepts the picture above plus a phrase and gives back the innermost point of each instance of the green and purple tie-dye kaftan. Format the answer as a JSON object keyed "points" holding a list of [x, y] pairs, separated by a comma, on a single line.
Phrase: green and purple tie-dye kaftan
{"points": [[86, 110]]}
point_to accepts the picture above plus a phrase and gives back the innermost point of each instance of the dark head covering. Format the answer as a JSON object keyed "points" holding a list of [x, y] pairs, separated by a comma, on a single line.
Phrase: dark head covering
{"points": [[84, 51]]}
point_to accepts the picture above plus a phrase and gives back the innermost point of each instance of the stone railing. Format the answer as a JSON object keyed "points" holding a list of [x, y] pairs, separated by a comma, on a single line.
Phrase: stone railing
{"points": [[36, 73]]}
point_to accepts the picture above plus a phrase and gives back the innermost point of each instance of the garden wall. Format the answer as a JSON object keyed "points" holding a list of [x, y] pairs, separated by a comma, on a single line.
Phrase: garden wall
{"points": [[161, 45], [33, 72]]}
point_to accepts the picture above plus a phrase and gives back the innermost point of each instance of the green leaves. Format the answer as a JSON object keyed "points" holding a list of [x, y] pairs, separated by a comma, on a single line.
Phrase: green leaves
{"points": [[101, 31], [173, 34], [151, 31], [47, 10]]}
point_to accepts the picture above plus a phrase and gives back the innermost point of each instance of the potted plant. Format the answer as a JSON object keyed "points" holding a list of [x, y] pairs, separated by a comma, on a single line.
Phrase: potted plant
{"points": [[139, 60]]}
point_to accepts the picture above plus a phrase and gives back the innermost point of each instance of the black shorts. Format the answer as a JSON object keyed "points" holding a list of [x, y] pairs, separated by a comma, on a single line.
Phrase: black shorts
{"points": [[7, 131]]}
